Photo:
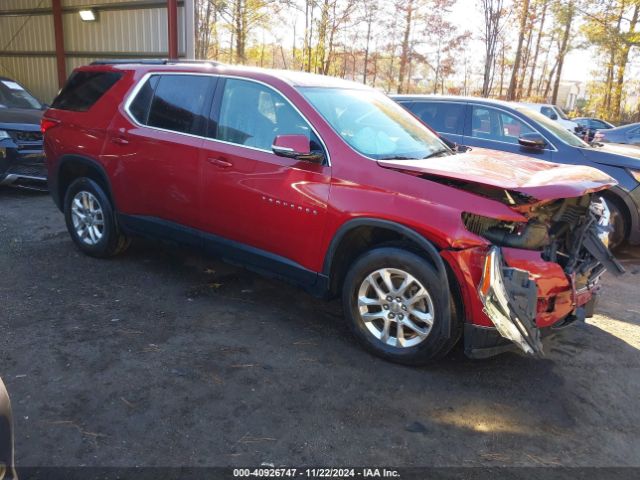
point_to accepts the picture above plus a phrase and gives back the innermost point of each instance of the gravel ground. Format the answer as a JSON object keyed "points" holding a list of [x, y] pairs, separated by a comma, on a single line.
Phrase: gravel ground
{"points": [[164, 357]]}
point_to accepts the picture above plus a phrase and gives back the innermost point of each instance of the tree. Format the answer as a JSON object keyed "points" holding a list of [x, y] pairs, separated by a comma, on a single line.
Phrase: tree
{"points": [[612, 26], [545, 6], [405, 49], [495, 15], [513, 84], [370, 11], [566, 14]]}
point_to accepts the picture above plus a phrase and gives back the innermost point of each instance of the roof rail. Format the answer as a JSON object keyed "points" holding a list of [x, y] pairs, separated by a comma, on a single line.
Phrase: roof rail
{"points": [[151, 61]]}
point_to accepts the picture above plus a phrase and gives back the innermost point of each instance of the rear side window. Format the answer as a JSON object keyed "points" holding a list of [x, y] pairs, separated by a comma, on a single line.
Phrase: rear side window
{"points": [[84, 89], [179, 101], [139, 108], [442, 117]]}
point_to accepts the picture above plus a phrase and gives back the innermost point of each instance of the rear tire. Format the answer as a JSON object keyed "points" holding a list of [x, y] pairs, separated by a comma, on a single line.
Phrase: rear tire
{"points": [[91, 220], [394, 305]]}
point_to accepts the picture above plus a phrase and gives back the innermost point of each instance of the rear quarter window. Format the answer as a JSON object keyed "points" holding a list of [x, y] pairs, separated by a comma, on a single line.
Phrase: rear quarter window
{"points": [[84, 89]]}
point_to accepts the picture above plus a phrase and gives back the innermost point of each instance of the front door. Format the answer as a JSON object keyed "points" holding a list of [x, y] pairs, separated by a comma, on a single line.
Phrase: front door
{"points": [[497, 129], [250, 195]]}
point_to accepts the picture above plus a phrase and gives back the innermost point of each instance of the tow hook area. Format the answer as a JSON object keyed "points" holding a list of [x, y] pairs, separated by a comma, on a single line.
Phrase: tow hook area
{"points": [[510, 298]]}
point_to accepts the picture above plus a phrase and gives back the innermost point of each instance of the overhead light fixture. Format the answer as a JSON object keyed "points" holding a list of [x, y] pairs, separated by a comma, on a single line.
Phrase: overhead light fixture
{"points": [[87, 15]]}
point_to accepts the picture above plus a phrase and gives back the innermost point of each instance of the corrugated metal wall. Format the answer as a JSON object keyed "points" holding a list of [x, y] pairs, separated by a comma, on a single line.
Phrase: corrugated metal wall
{"points": [[27, 41]]}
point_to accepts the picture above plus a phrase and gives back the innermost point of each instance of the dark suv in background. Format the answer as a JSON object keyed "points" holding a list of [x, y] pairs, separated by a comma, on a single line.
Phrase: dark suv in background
{"points": [[21, 155], [508, 127]]}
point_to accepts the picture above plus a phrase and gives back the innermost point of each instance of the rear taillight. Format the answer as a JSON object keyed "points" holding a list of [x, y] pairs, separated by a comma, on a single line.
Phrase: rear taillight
{"points": [[47, 123]]}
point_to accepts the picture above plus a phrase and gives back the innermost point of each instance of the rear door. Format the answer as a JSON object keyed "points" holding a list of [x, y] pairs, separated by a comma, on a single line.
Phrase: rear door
{"points": [[497, 129], [154, 147], [446, 118], [252, 196]]}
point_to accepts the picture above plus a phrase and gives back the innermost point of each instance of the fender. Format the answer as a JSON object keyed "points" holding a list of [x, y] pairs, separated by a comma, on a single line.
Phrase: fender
{"points": [[425, 245], [88, 162], [405, 231]]}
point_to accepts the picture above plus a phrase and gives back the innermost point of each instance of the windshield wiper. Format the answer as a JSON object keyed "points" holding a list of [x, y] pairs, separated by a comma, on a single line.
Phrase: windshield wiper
{"points": [[397, 157], [438, 153]]}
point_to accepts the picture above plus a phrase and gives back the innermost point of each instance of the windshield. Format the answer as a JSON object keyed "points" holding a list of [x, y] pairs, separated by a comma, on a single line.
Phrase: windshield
{"points": [[560, 113], [12, 95], [555, 128], [373, 124]]}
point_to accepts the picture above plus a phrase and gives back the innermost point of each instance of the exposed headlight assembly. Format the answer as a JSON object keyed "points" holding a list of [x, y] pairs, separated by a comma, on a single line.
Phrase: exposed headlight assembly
{"points": [[530, 236], [4, 135]]}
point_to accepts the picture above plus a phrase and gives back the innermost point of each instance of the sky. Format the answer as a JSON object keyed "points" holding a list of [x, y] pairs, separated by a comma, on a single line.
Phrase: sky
{"points": [[467, 14]]}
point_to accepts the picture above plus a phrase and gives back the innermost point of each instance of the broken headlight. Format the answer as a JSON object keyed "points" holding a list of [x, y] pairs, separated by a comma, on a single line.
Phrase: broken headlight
{"points": [[529, 236]]}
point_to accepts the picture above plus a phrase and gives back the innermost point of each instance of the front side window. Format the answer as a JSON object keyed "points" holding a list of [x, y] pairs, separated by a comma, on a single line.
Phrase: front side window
{"points": [[140, 105], [491, 124], [179, 101], [373, 124], [555, 128], [84, 89], [442, 117], [253, 115]]}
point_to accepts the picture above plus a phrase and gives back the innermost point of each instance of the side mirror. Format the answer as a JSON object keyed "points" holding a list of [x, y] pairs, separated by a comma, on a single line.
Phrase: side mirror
{"points": [[533, 141], [295, 146]]}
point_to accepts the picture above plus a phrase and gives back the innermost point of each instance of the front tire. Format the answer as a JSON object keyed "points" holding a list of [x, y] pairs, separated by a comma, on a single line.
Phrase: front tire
{"points": [[395, 306], [91, 220], [619, 224]]}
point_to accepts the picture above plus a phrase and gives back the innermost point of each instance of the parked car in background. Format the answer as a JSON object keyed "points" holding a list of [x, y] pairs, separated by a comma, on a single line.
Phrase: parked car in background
{"points": [[554, 113], [591, 125], [7, 471], [485, 123], [331, 185], [626, 135], [21, 155]]}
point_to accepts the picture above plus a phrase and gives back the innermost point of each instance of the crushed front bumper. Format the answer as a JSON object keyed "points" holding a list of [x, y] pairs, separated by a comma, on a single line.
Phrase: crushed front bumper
{"points": [[510, 297]]}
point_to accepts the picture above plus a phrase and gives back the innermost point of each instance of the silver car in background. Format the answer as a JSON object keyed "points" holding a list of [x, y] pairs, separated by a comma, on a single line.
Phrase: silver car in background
{"points": [[625, 135]]}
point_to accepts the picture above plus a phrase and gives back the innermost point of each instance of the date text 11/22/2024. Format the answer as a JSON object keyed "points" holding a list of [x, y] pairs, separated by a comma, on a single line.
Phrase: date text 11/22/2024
{"points": [[269, 472]]}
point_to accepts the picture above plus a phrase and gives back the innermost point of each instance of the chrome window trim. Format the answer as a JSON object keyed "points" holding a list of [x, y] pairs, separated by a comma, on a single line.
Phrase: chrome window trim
{"points": [[134, 93], [473, 104]]}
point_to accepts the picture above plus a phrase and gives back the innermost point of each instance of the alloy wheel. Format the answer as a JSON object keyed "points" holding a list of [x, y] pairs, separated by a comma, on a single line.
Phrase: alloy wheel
{"points": [[395, 307], [87, 217]]}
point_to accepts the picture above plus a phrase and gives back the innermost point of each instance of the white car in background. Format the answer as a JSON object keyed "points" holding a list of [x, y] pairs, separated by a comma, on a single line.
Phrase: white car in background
{"points": [[554, 113]]}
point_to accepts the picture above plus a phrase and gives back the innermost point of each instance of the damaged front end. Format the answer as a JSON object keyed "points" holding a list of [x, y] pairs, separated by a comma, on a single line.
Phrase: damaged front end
{"points": [[510, 297], [572, 233]]}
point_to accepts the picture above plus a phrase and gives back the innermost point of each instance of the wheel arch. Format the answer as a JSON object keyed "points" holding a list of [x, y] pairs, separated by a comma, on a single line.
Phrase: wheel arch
{"points": [[358, 235], [71, 167], [619, 197]]}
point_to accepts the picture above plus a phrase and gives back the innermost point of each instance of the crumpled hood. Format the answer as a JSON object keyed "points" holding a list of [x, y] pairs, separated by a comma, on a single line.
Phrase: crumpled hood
{"points": [[507, 171]]}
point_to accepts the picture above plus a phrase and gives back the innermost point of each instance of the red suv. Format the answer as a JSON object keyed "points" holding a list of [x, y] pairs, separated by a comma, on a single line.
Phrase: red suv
{"points": [[333, 186]]}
